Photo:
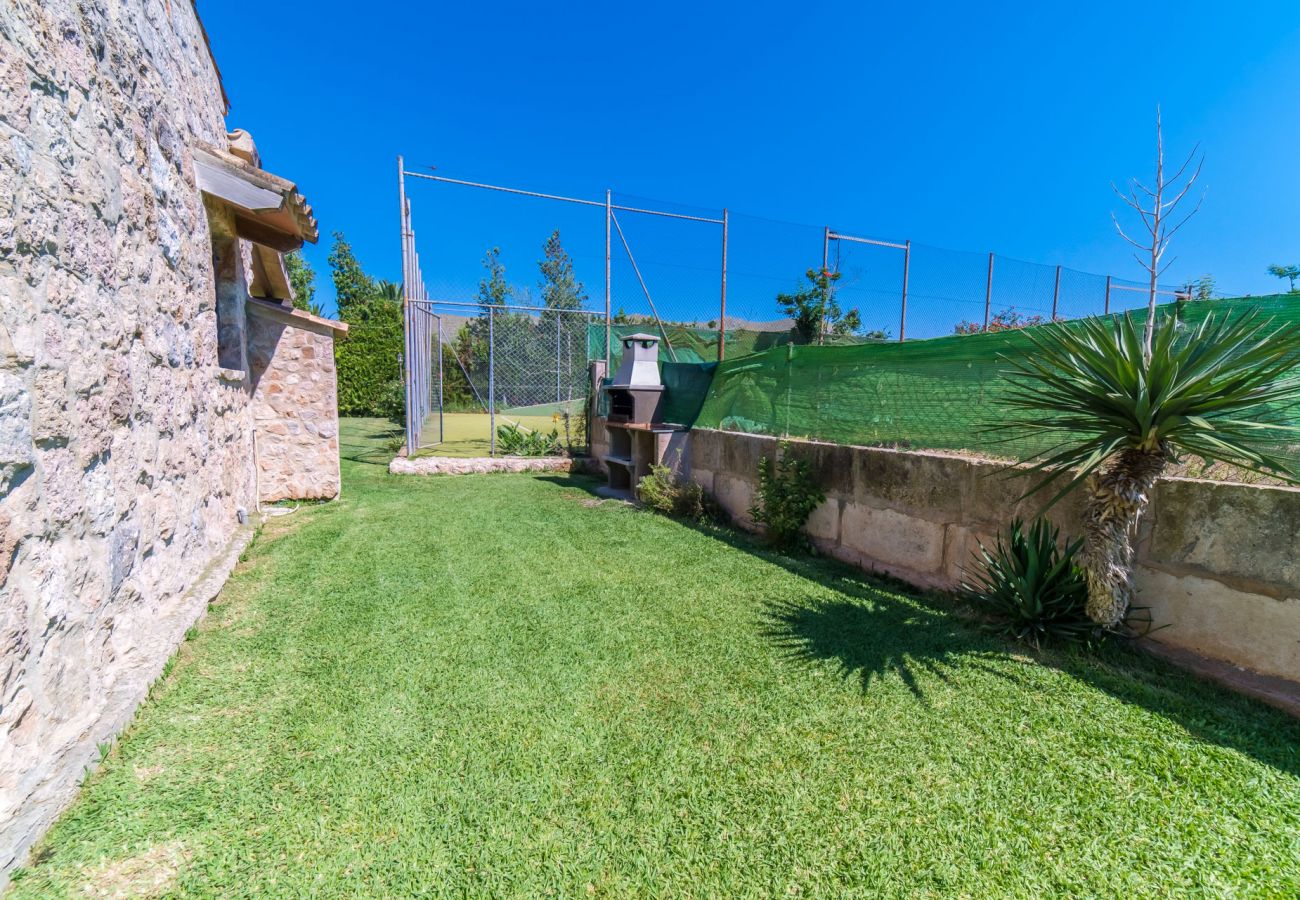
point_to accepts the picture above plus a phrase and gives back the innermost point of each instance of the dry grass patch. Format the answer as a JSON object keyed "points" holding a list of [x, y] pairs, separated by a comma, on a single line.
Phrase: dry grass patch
{"points": [[148, 874]]}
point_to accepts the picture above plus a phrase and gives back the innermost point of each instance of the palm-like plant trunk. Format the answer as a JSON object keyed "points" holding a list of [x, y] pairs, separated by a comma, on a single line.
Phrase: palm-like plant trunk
{"points": [[1116, 501]]}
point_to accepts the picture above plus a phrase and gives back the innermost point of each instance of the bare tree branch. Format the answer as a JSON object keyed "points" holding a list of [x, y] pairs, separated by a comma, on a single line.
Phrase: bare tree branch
{"points": [[1155, 217], [1186, 163], [1146, 190], [1194, 211], [1120, 229], [1169, 207]]}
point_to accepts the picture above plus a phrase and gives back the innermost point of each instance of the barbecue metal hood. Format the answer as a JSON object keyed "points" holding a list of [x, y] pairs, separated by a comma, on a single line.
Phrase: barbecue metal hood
{"points": [[640, 366]]}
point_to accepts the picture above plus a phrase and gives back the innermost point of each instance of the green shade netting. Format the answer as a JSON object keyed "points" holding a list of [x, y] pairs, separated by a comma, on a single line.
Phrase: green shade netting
{"points": [[939, 393]]}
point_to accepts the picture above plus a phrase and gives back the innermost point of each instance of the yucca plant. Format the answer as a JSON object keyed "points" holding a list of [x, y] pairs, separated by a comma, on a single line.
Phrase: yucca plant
{"points": [[1118, 415], [1031, 585]]}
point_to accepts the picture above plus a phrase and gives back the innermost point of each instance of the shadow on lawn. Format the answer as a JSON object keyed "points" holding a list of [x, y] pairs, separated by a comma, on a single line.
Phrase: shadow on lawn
{"points": [[870, 635], [865, 632], [871, 639], [368, 444]]}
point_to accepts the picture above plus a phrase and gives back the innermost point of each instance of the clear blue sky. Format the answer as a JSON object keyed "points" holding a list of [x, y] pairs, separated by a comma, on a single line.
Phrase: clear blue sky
{"points": [[969, 126]]}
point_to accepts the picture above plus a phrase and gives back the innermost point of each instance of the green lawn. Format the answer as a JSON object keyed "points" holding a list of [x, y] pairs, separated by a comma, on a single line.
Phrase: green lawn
{"points": [[499, 686], [467, 434]]}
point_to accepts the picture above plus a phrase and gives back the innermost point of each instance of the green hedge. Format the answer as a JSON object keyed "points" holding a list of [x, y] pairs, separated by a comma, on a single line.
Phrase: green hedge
{"points": [[368, 360]]}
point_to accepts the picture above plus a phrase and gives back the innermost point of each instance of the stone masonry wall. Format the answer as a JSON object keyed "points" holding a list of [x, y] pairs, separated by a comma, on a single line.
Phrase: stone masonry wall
{"points": [[295, 405], [1216, 562], [123, 452]]}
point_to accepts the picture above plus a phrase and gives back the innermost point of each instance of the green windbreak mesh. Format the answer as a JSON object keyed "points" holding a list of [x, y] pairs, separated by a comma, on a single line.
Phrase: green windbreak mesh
{"points": [[937, 393], [685, 387], [691, 344]]}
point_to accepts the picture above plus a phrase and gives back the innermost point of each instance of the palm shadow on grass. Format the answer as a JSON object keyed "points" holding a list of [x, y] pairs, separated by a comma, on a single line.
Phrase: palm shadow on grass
{"points": [[866, 632], [934, 634], [869, 635]]}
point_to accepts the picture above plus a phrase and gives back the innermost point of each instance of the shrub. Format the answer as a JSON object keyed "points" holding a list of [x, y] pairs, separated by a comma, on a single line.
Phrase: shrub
{"points": [[575, 429], [369, 363], [515, 440], [662, 492], [394, 443], [1031, 586], [392, 403], [787, 496]]}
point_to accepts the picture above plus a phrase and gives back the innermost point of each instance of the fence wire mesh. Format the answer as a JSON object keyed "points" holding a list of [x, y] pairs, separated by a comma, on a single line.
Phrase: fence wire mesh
{"points": [[666, 267], [498, 367]]}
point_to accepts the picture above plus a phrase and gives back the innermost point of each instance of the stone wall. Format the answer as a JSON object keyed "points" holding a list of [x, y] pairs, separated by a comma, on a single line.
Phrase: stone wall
{"points": [[295, 403], [125, 448], [1216, 562]]}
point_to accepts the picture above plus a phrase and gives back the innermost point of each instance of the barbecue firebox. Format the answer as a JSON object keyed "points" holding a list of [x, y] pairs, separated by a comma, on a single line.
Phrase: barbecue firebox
{"points": [[638, 436], [635, 391]]}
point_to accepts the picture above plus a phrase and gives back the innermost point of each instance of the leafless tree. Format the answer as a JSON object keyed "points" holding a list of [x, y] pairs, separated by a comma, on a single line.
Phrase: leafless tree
{"points": [[1156, 213]]}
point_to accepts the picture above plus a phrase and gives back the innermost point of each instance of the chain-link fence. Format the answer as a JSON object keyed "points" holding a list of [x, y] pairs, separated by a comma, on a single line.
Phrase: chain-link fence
{"points": [[714, 283], [500, 379]]}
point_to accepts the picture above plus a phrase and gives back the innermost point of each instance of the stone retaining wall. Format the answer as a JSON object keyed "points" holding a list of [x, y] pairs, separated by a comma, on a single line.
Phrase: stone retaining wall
{"points": [[1217, 563]]}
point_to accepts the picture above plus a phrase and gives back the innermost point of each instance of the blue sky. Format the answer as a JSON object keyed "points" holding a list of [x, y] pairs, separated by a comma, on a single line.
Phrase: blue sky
{"points": [[975, 127]]}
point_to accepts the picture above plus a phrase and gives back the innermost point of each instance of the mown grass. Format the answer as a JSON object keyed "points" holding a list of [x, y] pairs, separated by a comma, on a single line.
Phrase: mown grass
{"points": [[499, 686], [467, 434]]}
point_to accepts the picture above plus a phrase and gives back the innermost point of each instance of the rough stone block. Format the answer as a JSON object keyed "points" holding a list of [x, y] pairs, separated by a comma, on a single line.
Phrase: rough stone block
{"points": [[741, 453], [832, 464], [924, 485], [1249, 534], [961, 552], [706, 448], [824, 523], [892, 538], [1208, 617], [702, 477], [995, 496], [736, 496]]}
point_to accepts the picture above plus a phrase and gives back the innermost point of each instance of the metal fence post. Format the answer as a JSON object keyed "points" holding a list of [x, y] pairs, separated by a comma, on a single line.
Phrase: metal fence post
{"points": [[442, 400], [1056, 293], [558, 316], [609, 216], [826, 262], [1106, 308], [722, 313], [988, 294], [406, 309], [907, 265], [492, 393]]}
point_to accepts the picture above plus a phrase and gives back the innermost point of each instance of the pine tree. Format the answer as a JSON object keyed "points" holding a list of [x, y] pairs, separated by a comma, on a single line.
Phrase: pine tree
{"points": [[369, 371], [560, 288], [1290, 273], [494, 290]]}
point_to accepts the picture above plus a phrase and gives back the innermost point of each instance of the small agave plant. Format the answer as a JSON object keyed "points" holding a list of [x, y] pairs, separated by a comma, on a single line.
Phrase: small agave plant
{"points": [[1117, 414], [1031, 585]]}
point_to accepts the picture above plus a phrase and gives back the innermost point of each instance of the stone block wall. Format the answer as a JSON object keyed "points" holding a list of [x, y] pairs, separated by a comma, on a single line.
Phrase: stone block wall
{"points": [[295, 403], [124, 447], [1216, 562]]}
